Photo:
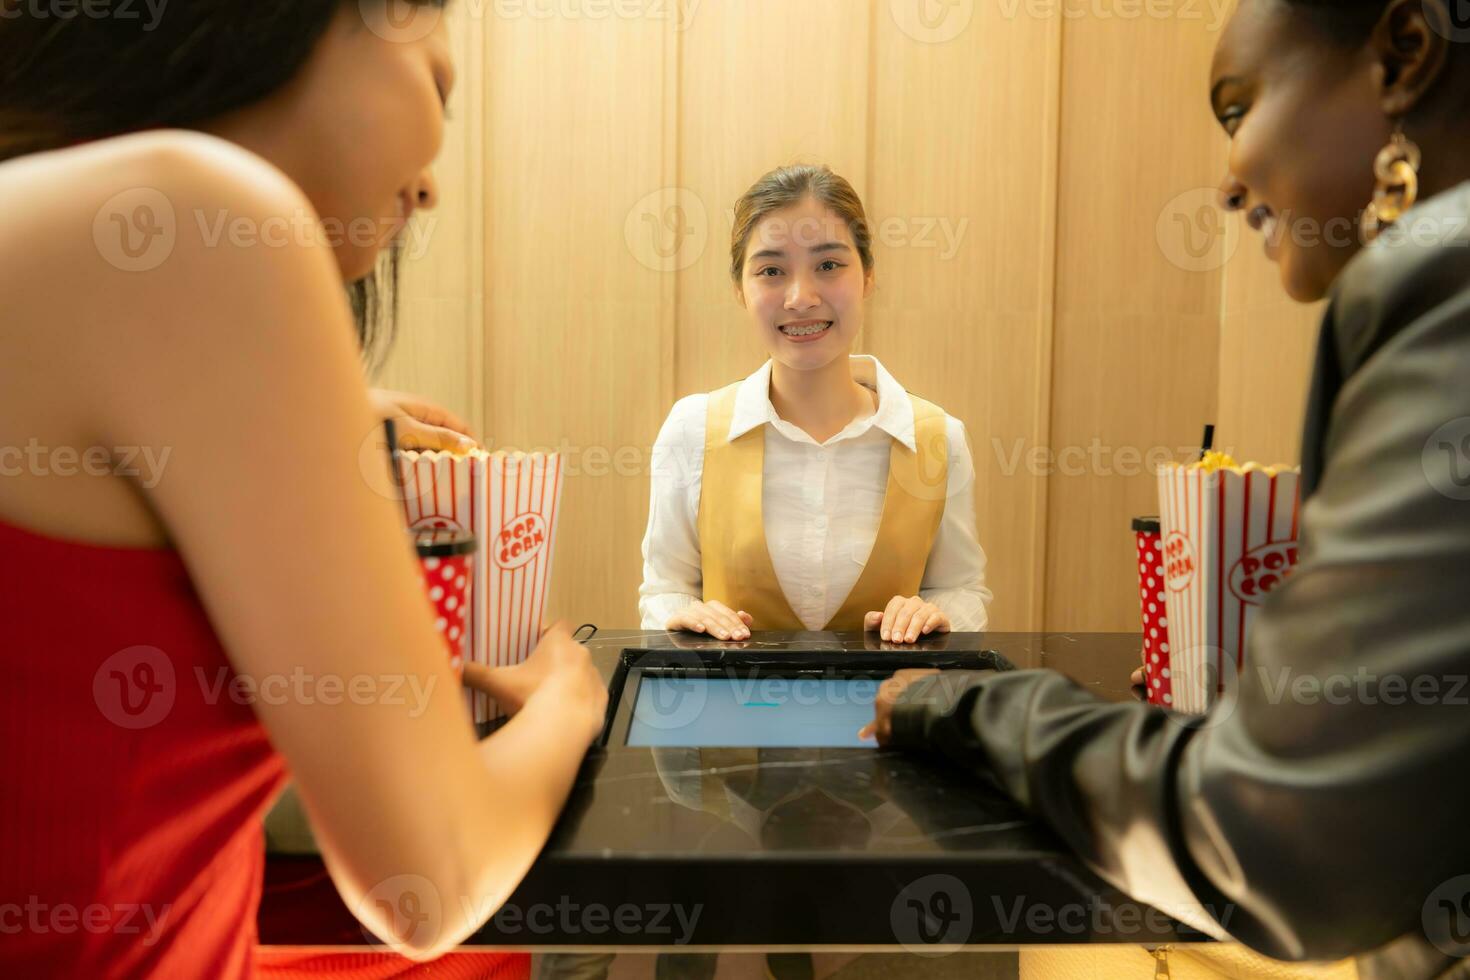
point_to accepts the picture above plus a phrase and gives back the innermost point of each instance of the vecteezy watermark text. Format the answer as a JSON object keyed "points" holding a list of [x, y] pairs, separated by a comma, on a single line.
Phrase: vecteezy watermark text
{"points": [[1094, 459], [303, 687], [137, 688], [120, 918], [90, 9], [143, 463], [1214, 12], [1096, 917], [570, 918], [137, 230], [1364, 686]]}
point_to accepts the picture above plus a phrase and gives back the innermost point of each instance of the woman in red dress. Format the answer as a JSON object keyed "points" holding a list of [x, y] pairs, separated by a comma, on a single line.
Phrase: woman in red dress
{"points": [[203, 585]]}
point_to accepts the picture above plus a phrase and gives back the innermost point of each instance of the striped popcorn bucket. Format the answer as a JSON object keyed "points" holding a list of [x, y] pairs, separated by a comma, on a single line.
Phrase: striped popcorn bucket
{"points": [[1229, 538], [509, 501]]}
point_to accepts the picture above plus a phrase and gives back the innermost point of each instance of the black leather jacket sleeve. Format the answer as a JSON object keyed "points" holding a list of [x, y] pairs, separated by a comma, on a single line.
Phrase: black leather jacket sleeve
{"points": [[1314, 810]]}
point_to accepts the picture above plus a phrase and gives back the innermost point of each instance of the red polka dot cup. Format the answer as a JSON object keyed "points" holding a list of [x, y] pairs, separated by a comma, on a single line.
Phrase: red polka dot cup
{"points": [[447, 557], [1147, 532]]}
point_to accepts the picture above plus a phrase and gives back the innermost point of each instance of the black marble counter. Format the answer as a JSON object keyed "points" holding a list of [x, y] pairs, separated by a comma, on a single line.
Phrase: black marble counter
{"points": [[812, 847]]}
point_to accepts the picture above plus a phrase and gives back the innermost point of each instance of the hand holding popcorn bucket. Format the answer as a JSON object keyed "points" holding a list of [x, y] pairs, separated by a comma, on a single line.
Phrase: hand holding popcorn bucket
{"points": [[1229, 537], [509, 502]]}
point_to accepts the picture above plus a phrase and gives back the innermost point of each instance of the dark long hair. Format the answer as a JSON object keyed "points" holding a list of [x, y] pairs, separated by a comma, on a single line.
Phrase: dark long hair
{"points": [[374, 300], [1347, 21], [79, 77]]}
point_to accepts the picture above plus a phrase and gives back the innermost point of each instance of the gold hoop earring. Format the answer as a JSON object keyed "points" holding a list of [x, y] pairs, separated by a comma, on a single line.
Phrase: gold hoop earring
{"points": [[1397, 172]]}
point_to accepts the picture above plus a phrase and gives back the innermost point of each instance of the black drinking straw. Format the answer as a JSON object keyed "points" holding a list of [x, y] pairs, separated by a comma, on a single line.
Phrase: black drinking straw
{"points": [[1208, 442], [390, 431]]}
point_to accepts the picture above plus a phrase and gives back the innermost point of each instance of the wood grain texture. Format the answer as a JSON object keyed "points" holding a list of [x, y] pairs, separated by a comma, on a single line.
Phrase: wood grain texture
{"points": [[440, 341], [963, 191], [756, 92], [577, 324], [1267, 342], [1048, 270], [1137, 309]]}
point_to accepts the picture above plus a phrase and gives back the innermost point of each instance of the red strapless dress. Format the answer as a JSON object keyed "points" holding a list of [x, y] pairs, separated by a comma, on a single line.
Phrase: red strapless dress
{"points": [[132, 785]]}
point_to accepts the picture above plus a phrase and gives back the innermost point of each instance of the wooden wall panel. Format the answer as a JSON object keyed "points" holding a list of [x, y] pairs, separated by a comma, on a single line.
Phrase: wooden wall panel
{"points": [[1037, 172], [578, 133], [441, 336], [1267, 342], [962, 191], [763, 83], [1137, 328]]}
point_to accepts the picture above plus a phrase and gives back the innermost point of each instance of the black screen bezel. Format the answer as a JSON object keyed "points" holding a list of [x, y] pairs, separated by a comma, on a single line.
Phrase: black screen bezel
{"points": [[635, 664]]}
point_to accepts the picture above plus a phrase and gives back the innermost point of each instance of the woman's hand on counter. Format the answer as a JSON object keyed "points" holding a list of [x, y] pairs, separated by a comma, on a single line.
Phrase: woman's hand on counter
{"points": [[713, 618], [569, 680], [881, 727], [560, 664], [420, 423], [906, 619]]}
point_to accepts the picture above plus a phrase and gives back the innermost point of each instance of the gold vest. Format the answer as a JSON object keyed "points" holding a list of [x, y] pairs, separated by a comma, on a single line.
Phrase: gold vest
{"points": [[734, 559]]}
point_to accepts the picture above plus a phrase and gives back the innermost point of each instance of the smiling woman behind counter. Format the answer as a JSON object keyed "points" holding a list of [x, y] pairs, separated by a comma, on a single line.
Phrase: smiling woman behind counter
{"points": [[817, 493]]}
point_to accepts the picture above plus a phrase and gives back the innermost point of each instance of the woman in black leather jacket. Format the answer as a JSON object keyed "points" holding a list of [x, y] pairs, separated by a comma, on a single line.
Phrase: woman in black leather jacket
{"points": [[1330, 826]]}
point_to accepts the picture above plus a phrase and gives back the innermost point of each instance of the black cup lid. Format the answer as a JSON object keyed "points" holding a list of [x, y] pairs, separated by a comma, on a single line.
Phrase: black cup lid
{"points": [[1147, 525], [443, 542]]}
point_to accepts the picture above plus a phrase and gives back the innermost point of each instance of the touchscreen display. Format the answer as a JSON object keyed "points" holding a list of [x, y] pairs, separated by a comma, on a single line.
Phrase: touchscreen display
{"points": [[756, 712]]}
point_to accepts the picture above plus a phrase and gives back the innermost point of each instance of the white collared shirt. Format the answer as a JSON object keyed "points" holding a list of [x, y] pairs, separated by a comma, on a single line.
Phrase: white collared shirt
{"points": [[822, 505]]}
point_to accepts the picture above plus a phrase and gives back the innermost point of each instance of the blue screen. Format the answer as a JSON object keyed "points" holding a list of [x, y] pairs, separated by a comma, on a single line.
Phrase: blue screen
{"points": [[758, 712]]}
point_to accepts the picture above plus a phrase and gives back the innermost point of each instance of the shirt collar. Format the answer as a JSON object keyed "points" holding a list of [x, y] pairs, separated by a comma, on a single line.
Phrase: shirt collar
{"points": [[895, 414]]}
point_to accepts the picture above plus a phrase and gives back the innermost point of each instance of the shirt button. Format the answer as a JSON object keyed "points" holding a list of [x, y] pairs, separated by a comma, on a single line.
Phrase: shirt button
{"points": [[821, 524], [821, 456]]}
